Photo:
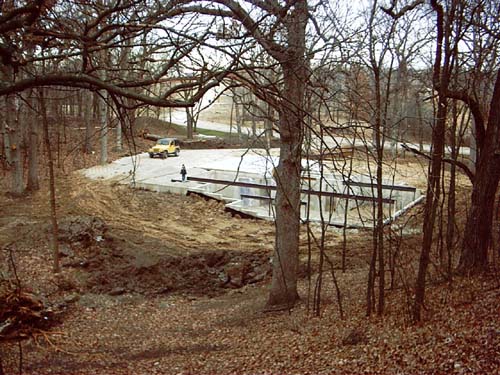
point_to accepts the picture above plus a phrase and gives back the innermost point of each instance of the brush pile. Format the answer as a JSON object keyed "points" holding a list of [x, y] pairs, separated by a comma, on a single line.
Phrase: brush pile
{"points": [[23, 313]]}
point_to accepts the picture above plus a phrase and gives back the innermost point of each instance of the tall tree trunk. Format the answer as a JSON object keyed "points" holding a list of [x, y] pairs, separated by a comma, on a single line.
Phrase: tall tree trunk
{"points": [[379, 225], [54, 243], [239, 120], [420, 122], [15, 137], [283, 293], [254, 123], [477, 232], [103, 110], [89, 120], [268, 126], [4, 130], [124, 60], [451, 209], [378, 211], [441, 82], [33, 182], [103, 117], [189, 122], [473, 147], [119, 131], [286, 258], [431, 205]]}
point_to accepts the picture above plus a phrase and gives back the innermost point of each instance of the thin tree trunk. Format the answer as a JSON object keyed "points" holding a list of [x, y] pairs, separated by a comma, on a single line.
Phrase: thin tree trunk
{"points": [[17, 187], [473, 147], [89, 121], [451, 209], [54, 243], [420, 122], [4, 130], [33, 182], [189, 119], [254, 127], [238, 113], [104, 128], [268, 125], [119, 131], [231, 117], [379, 229], [103, 111], [440, 81], [431, 205], [370, 293]]}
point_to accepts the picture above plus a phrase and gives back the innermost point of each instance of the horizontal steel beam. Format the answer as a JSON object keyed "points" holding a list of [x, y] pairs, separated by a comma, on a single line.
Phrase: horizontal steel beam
{"points": [[361, 198], [384, 186]]}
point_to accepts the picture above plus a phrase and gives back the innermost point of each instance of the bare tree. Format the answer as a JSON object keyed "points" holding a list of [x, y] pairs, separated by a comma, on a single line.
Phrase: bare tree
{"points": [[484, 83], [66, 39], [84, 39], [59, 45], [453, 22], [280, 30]]}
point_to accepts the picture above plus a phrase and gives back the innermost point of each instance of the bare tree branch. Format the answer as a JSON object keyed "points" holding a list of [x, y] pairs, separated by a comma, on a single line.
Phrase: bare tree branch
{"points": [[458, 163], [403, 10], [88, 82], [475, 109]]}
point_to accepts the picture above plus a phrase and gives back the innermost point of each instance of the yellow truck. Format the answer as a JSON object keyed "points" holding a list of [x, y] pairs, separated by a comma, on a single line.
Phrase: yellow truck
{"points": [[165, 147]]}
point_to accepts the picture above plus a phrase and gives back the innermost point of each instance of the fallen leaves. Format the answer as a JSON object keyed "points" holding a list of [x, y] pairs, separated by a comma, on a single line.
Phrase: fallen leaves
{"points": [[186, 333]]}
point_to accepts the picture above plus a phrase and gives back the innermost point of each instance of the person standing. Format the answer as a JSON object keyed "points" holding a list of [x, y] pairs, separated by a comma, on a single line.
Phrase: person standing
{"points": [[183, 173]]}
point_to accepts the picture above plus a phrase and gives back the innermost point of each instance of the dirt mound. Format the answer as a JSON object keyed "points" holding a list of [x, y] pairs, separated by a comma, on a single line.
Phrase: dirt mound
{"points": [[150, 126], [81, 230], [108, 263], [154, 126], [169, 274]]}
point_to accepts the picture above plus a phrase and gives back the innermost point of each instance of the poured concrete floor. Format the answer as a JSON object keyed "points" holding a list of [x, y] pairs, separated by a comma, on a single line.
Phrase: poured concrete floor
{"points": [[157, 174], [250, 166]]}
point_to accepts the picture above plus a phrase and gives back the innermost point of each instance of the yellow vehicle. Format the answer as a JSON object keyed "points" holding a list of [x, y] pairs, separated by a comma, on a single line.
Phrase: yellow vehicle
{"points": [[165, 147]]}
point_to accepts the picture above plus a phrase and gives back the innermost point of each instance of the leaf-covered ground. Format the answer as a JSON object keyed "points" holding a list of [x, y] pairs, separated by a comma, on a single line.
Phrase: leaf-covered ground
{"points": [[140, 295]]}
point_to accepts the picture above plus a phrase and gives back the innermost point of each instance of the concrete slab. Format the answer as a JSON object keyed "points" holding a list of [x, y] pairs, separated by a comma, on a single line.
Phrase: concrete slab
{"points": [[252, 167], [157, 174]]}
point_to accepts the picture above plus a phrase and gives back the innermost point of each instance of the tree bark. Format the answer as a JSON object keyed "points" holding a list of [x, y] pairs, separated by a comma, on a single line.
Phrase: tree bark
{"points": [[283, 293], [103, 117], [119, 134], [451, 209], [189, 122], [103, 110], [4, 131], [89, 120], [286, 256], [54, 243], [33, 181], [379, 226], [478, 228], [14, 133], [440, 82], [238, 114]]}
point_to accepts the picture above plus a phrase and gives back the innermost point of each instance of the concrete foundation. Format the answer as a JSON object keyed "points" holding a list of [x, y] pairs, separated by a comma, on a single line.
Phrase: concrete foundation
{"points": [[242, 179]]}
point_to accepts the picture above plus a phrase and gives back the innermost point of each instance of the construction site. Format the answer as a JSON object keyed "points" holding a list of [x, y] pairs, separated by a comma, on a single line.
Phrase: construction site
{"points": [[243, 180]]}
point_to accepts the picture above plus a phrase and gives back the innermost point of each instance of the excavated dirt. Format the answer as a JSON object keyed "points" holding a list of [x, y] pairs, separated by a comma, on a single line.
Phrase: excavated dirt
{"points": [[116, 240]]}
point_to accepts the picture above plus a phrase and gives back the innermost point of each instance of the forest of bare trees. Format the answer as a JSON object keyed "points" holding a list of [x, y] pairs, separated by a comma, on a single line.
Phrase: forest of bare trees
{"points": [[409, 77]]}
